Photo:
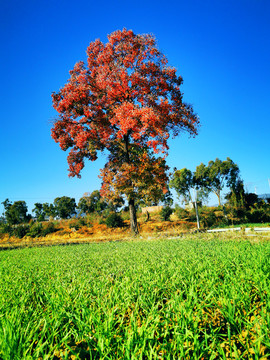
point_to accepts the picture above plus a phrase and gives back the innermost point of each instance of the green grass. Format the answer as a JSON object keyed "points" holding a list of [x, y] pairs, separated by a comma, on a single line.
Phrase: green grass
{"points": [[244, 225], [199, 297]]}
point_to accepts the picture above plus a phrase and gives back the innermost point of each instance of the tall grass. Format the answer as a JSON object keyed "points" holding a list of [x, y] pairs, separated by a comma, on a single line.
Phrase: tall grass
{"points": [[194, 298]]}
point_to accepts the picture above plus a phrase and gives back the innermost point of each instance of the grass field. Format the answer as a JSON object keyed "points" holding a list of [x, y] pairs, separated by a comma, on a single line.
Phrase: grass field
{"points": [[197, 297]]}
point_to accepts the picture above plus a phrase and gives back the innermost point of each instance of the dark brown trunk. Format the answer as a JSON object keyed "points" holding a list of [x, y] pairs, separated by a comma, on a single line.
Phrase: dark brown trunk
{"points": [[133, 218], [147, 216]]}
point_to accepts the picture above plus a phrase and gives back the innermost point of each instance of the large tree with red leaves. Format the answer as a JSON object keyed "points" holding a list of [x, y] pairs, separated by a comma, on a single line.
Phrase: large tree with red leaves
{"points": [[125, 100]]}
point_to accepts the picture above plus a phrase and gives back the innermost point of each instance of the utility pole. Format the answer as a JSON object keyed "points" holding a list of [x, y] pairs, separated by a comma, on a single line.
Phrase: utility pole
{"points": [[196, 209]]}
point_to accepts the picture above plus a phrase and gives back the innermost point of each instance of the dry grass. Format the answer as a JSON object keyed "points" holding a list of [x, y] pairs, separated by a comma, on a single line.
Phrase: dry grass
{"points": [[100, 233]]}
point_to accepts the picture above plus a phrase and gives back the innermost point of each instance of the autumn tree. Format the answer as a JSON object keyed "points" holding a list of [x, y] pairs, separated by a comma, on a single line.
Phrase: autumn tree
{"points": [[126, 100], [217, 175]]}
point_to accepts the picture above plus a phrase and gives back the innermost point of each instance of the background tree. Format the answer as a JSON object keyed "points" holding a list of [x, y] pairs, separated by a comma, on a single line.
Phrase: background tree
{"points": [[49, 210], [65, 207], [92, 202], [217, 175], [39, 212], [16, 213], [236, 196], [126, 100], [185, 184]]}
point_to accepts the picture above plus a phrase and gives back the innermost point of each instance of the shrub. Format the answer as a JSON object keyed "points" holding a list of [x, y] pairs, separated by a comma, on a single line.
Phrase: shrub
{"points": [[78, 223], [208, 219], [6, 229], [50, 228], [166, 213], [114, 220], [258, 215], [35, 230], [20, 231], [125, 215], [181, 213]]}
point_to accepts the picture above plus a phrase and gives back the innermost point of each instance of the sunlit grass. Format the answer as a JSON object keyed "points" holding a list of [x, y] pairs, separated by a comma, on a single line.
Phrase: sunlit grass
{"points": [[192, 298]]}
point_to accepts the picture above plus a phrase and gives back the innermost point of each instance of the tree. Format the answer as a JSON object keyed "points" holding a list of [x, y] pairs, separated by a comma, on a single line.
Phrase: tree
{"points": [[39, 211], [49, 210], [182, 182], [92, 202], [125, 100], [236, 197], [65, 207], [217, 175], [185, 184], [16, 213]]}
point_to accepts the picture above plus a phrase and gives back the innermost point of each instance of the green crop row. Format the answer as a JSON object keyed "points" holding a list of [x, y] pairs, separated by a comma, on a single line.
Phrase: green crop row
{"points": [[198, 297]]}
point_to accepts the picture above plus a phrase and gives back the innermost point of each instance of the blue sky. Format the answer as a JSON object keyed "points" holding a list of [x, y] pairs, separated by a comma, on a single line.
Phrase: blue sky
{"points": [[220, 48]]}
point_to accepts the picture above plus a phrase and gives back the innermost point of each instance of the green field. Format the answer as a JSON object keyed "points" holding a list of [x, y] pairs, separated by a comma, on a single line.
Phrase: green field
{"points": [[198, 297]]}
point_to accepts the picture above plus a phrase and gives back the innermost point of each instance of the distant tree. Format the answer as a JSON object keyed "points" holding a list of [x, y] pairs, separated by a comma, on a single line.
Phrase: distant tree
{"points": [[182, 182], [217, 175], [185, 184], [16, 213], [65, 207], [237, 196], [39, 212], [125, 100], [116, 203], [49, 210], [92, 202]]}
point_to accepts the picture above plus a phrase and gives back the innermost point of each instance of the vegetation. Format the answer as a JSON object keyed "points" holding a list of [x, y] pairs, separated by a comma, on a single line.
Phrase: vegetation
{"points": [[166, 213], [65, 207], [125, 100], [15, 213], [216, 175], [185, 183], [191, 298], [114, 220]]}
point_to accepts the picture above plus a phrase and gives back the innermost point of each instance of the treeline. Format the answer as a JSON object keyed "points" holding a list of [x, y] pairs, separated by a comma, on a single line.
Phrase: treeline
{"points": [[238, 206], [47, 217], [62, 208], [192, 188]]}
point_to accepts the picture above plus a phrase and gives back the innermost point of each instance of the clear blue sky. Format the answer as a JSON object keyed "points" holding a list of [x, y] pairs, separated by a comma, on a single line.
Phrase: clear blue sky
{"points": [[220, 48]]}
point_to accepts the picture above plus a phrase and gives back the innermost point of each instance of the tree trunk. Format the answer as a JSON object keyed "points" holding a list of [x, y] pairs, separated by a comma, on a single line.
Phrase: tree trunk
{"points": [[133, 218], [147, 216], [219, 197]]}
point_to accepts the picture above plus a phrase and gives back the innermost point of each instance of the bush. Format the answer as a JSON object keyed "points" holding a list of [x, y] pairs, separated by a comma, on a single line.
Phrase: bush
{"points": [[114, 220], [35, 230], [166, 213], [50, 228], [20, 231], [181, 213], [6, 229], [78, 223], [208, 219], [258, 216]]}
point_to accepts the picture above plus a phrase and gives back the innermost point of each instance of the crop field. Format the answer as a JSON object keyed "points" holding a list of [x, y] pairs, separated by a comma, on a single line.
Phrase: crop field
{"points": [[196, 297]]}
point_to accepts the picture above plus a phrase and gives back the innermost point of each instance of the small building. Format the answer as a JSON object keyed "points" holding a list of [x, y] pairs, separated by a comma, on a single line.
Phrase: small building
{"points": [[151, 209]]}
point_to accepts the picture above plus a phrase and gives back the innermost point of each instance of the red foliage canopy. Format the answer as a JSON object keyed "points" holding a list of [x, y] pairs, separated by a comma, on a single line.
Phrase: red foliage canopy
{"points": [[126, 99]]}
